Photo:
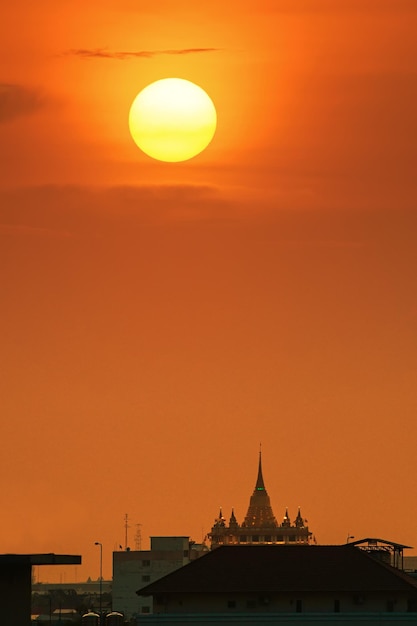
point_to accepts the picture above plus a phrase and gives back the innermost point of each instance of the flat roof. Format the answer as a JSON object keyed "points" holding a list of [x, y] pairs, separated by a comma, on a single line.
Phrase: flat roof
{"points": [[40, 559]]}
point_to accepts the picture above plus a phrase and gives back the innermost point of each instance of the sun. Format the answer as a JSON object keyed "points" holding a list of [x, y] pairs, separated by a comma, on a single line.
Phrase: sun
{"points": [[172, 120]]}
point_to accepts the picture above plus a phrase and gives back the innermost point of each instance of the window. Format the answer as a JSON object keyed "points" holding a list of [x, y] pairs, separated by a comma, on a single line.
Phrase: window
{"points": [[145, 609], [231, 604], [298, 606], [337, 606], [146, 578], [146, 563], [267, 538], [243, 539], [185, 553], [255, 538]]}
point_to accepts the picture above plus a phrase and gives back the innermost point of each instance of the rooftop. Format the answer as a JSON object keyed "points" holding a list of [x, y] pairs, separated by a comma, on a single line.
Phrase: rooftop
{"points": [[39, 559], [287, 568]]}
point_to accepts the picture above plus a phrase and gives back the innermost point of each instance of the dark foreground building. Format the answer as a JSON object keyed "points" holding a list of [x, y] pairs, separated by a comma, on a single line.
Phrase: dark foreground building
{"points": [[286, 584], [16, 583]]}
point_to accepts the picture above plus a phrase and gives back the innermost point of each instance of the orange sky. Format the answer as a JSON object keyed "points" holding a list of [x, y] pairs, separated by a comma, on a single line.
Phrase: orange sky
{"points": [[160, 320]]}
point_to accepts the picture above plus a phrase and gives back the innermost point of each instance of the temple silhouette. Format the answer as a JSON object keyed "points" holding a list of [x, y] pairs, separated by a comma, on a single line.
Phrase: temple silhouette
{"points": [[260, 525]]}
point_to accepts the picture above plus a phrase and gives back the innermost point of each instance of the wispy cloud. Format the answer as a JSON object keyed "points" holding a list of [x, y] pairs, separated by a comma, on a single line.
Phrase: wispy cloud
{"points": [[17, 100], [70, 209], [104, 53], [32, 230], [130, 212]]}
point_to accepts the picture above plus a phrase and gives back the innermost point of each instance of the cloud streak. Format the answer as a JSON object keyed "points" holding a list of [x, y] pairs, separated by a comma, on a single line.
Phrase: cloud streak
{"points": [[71, 209], [103, 53], [17, 101]]}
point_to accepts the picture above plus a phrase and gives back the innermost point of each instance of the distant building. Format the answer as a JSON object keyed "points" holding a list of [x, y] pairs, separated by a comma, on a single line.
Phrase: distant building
{"points": [[410, 565], [259, 525], [88, 587], [284, 584], [136, 568]]}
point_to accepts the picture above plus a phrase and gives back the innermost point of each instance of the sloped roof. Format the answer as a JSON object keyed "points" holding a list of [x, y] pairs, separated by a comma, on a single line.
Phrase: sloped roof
{"points": [[273, 569]]}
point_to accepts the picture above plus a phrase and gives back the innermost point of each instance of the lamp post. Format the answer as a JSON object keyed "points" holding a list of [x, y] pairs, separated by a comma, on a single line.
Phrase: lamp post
{"points": [[97, 543]]}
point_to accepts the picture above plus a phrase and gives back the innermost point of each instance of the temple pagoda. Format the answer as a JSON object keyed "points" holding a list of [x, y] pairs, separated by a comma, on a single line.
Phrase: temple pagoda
{"points": [[260, 525]]}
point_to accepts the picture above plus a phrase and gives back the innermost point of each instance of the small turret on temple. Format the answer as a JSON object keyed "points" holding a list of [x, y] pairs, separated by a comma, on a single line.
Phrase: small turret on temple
{"points": [[260, 525]]}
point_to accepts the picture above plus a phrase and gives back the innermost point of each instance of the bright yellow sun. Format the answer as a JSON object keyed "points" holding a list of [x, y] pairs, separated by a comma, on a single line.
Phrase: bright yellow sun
{"points": [[172, 120]]}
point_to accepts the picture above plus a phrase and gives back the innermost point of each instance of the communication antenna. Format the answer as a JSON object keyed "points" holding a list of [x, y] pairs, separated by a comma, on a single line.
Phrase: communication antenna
{"points": [[126, 527], [138, 537]]}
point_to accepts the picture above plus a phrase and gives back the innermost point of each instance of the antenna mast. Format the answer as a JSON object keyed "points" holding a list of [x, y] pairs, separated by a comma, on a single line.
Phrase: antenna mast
{"points": [[126, 527], [138, 537]]}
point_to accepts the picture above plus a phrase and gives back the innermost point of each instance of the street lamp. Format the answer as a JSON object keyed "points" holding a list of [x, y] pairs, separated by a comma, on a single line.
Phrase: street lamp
{"points": [[97, 543]]}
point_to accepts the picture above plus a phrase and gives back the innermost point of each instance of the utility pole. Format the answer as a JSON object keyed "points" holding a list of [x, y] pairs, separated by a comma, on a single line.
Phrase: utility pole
{"points": [[98, 543]]}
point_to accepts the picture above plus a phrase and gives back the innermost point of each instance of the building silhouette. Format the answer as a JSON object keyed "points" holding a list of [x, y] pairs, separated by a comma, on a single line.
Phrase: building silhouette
{"points": [[287, 585], [16, 583], [260, 525]]}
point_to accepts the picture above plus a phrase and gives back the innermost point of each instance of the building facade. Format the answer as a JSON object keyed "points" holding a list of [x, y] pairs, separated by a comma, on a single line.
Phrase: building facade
{"points": [[260, 525], [136, 568]]}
